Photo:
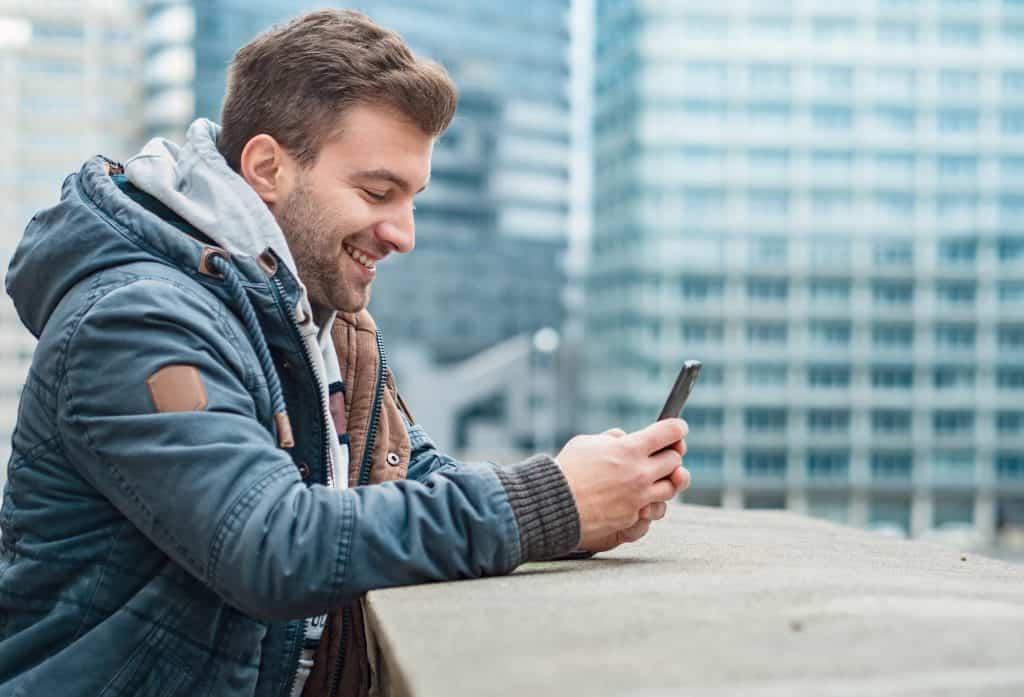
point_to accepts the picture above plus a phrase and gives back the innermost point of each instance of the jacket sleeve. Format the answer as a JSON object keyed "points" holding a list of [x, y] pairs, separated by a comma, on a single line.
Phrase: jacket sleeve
{"points": [[211, 489]]}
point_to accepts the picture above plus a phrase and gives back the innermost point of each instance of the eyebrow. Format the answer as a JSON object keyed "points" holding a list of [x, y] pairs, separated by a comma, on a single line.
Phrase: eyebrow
{"points": [[388, 175]]}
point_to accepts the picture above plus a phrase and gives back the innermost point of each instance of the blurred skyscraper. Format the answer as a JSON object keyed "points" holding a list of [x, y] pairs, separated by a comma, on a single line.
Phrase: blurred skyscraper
{"points": [[491, 229], [69, 89], [823, 201]]}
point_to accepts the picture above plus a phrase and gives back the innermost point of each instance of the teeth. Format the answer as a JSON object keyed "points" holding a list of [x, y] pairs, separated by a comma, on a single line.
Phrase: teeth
{"points": [[359, 256]]}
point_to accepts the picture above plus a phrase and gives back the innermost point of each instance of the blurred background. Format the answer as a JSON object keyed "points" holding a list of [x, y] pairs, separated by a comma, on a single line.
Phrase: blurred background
{"points": [[821, 200]]}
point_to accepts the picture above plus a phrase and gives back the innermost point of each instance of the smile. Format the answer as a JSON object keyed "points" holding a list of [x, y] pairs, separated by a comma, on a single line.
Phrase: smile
{"points": [[360, 257]]}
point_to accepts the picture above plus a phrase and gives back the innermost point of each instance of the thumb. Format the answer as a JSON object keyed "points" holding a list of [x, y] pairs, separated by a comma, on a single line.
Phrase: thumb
{"points": [[659, 435]]}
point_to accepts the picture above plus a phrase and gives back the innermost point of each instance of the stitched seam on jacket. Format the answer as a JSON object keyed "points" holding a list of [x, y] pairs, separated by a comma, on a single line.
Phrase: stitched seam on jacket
{"points": [[90, 303], [240, 508], [148, 619], [97, 581], [342, 562]]}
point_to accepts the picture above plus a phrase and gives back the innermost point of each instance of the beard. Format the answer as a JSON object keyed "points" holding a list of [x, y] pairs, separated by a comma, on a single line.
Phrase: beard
{"points": [[316, 246]]}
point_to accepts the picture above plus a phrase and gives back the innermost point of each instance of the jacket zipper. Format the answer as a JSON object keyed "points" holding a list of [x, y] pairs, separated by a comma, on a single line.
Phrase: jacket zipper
{"points": [[325, 450], [364, 479]]}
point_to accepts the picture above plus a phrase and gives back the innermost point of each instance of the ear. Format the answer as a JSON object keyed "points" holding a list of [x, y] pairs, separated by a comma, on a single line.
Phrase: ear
{"points": [[268, 168]]}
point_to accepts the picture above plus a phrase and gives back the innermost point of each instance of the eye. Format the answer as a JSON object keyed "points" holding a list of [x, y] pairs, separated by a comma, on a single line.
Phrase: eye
{"points": [[375, 195]]}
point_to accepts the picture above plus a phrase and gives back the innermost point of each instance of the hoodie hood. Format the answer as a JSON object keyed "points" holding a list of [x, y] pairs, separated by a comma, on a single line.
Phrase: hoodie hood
{"points": [[97, 226], [195, 182]]}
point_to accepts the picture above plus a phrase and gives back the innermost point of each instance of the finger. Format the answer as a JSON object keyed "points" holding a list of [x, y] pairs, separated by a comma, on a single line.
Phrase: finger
{"points": [[663, 464], [661, 490], [636, 531], [680, 478], [659, 435], [614, 432], [654, 511]]}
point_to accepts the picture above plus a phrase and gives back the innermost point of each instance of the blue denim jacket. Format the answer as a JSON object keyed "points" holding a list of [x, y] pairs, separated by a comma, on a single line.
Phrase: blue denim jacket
{"points": [[176, 553]]}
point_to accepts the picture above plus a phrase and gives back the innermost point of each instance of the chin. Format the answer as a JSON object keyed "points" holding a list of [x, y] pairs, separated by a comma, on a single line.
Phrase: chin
{"points": [[351, 304]]}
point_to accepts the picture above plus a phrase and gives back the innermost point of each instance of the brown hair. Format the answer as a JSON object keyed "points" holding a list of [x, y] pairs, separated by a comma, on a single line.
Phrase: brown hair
{"points": [[294, 81]]}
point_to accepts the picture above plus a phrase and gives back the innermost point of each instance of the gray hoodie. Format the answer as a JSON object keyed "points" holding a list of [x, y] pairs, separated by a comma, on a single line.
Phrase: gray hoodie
{"points": [[195, 182]]}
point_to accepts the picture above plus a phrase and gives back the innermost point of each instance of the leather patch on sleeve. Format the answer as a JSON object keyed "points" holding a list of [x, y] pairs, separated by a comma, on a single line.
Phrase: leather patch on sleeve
{"points": [[177, 388]]}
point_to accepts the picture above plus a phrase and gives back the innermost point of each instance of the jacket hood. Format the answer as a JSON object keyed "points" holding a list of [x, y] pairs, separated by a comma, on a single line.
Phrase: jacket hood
{"points": [[95, 226]]}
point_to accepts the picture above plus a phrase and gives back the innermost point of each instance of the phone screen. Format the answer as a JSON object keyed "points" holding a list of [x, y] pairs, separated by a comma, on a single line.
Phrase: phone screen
{"points": [[684, 383]]}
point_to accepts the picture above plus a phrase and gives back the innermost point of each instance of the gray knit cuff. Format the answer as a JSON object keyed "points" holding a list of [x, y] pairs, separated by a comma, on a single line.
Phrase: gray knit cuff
{"points": [[549, 524]]}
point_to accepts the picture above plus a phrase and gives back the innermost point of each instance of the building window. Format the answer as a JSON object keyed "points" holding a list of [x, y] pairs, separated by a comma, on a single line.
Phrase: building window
{"points": [[832, 162], [896, 82], [1013, 83], [892, 465], [767, 374], [768, 114], [705, 465], [765, 420], [958, 251], [892, 336], [704, 419], [899, 33], [959, 293], [832, 78], [767, 289], [951, 377], [833, 334], [706, 75], [960, 34], [890, 421], [1012, 122], [831, 117], [697, 332], [765, 464], [1010, 422], [958, 82], [1010, 377], [828, 420], [952, 466], [893, 292], [773, 333], [769, 77], [955, 337], [896, 118], [1010, 466], [953, 422], [831, 204], [1011, 293], [828, 376], [830, 251], [768, 162], [1010, 250], [958, 120], [1011, 337], [829, 291], [894, 205], [956, 166], [767, 250], [894, 252], [771, 203], [833, 28], [828, 465], [892, 377], [696, 288]]}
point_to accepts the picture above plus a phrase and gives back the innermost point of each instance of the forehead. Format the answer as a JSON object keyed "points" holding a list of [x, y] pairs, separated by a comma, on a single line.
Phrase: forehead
{"points": [[371, 137]]}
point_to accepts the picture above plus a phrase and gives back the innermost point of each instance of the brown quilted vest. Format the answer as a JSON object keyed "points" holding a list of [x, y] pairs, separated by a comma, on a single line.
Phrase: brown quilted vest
{"points": [[355, 340]]}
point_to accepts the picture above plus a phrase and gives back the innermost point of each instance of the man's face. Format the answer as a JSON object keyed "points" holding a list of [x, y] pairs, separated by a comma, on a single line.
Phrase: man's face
{"points": [[354, 206]]}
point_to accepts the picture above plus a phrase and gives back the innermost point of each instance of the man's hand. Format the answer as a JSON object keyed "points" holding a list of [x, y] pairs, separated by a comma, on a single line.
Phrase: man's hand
{"points": [[621, 482]]}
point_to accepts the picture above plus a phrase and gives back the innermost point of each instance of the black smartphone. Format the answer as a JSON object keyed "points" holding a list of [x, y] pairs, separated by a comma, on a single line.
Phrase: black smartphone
{"points": [[685, 381]]}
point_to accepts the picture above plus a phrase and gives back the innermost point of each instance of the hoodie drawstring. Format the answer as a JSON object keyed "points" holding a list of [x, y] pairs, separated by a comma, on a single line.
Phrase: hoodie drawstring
{"points": [[216, 262]]}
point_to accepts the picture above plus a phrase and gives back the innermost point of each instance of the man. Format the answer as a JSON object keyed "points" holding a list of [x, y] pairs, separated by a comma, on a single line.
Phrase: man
{"points": [[186, 511]]}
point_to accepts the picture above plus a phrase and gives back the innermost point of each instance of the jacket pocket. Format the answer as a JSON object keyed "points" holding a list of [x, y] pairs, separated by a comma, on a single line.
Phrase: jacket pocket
{"points": [[150, 670]]}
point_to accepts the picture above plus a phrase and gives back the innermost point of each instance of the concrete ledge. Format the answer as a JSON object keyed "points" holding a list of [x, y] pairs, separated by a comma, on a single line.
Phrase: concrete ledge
{"points": [[717, 603]]}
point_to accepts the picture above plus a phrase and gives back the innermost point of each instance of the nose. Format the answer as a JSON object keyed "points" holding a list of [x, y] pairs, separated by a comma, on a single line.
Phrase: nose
{"points": [[398, 233]]}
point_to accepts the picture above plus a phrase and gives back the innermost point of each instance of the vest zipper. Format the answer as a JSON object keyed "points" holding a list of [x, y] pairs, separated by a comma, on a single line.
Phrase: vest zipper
{"points": [[364, 479]]}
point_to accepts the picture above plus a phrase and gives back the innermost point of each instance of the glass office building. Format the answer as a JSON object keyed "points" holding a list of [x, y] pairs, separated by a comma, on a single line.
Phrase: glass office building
{"points": [[69, 89], [491, 229], [824, 202]]}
